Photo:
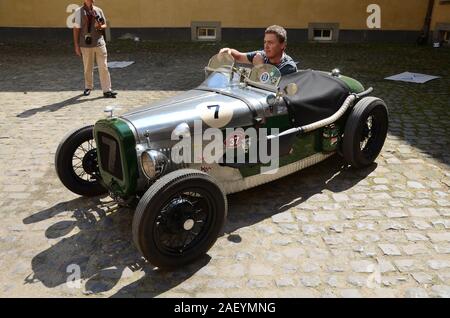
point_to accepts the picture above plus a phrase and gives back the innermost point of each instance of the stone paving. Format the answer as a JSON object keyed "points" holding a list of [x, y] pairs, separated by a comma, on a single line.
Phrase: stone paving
{"points": [[327, 231]]}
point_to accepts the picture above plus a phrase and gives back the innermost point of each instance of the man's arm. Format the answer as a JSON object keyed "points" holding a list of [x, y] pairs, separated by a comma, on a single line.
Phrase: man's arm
{"points": [[254, 58], [99, 26], [76, 41], [238, 56], [76, 32]]}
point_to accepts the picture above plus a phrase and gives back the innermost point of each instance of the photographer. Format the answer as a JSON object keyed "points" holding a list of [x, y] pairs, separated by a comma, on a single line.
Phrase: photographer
{"points": [[90, 23]]}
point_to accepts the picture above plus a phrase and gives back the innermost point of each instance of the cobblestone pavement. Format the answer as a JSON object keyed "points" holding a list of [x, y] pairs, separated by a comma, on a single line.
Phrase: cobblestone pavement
{"points": [[327, 231]]}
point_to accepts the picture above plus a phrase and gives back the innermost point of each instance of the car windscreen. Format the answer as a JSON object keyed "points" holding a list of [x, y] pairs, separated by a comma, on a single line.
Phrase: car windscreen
{"points": [[217, 80]]}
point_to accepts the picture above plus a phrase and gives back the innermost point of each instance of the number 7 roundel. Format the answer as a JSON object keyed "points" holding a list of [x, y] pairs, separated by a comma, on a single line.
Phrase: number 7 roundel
{"points": [[215, 115]]}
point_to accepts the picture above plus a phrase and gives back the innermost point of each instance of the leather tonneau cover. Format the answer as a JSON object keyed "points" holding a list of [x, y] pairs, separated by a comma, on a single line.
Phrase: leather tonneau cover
{"points": [[319, 96]]}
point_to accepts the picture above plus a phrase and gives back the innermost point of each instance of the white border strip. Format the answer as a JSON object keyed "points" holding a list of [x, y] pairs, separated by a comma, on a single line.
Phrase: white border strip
{"points": [[256, 180]]}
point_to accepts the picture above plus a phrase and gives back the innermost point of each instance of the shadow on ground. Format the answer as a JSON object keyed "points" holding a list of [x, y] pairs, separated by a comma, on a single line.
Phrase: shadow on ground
{"points": [[103, 247], [57, 106], [257, 204]]}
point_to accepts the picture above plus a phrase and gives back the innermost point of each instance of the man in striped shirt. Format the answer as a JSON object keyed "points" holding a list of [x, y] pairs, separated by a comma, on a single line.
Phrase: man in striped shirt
{"points": [[275, 40]]}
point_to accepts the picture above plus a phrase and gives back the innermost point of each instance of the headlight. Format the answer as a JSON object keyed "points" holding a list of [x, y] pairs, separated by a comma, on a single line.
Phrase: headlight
{"points": [[153, 163]]}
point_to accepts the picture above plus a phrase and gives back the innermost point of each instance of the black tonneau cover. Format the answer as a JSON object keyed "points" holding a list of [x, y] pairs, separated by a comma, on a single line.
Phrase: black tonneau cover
{"points": [[319, 96]]}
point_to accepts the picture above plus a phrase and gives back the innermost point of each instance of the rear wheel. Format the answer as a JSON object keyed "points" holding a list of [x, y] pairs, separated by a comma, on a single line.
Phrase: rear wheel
{"points": [[179, 218], [365, 132], [76, 163]]}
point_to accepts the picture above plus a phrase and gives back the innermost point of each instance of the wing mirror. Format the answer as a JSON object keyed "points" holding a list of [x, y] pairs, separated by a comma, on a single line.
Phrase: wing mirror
{"points": [[291, 89]]}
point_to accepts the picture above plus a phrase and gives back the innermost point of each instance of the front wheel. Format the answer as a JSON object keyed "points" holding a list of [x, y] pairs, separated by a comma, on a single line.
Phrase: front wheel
{"points": [[365, 132], [76, 163], [179, 218]]}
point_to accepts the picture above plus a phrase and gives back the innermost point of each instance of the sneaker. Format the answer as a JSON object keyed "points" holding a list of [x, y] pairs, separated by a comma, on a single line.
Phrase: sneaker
{"points": [[87, 92], [110, 94]]}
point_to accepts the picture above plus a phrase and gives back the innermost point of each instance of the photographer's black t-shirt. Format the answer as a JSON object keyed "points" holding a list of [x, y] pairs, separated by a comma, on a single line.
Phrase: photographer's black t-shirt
{"points": [[82, 22]]}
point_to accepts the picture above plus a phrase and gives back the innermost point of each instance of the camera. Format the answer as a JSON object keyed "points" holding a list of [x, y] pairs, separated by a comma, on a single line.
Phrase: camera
{"points": [[99, 19], [88, 39]]}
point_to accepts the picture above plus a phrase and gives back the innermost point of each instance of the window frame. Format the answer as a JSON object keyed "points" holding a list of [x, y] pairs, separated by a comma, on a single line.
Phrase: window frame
{"points": [[323, 27], [196, 26], [207, 37], [323, 38]]}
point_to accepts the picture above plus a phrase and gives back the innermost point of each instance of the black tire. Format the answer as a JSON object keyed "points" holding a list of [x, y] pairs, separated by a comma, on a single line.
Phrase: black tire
{"points": [[155, 213], [70, 175], [363, 142]]}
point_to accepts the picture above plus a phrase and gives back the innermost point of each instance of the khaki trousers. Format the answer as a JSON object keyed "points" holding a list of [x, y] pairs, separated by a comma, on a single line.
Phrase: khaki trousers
{"points": [[90, 54]]}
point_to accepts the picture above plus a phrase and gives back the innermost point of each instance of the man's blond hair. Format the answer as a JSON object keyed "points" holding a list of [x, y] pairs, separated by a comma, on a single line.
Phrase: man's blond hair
{"points": [[279, 31]]}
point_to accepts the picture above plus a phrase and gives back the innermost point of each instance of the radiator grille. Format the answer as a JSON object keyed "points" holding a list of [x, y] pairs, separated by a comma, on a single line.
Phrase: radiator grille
{"points": [[109, 151]]}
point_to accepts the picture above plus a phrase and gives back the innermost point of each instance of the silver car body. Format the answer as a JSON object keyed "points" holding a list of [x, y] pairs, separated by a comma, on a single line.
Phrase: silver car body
{"points": [[153, 125]]}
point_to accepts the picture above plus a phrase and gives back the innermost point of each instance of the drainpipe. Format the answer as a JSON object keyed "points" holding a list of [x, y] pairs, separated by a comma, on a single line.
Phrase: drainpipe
{"points": [[423, 37]]}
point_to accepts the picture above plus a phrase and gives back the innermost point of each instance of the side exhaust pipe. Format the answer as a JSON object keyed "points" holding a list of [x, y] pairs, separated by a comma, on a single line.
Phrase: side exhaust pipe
{"points": [[327, 121]]}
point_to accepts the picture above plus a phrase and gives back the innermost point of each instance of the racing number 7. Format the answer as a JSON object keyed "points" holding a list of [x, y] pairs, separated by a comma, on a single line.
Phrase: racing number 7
{"points": [[216, 113]]}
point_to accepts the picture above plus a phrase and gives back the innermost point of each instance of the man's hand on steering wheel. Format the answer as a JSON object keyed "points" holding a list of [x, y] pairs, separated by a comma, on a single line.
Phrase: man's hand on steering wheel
{"points": [[258, 59]]}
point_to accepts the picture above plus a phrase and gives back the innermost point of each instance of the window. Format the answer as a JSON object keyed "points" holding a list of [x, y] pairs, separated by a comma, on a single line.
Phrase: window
{"points": [[323, 32], [204, 33], [323, 35]]}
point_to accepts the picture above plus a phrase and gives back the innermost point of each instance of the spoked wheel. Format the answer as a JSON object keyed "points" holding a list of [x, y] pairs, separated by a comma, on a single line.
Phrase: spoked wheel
{"points": [[182, 222], [76, 163], [179, 218], [365, 132]]}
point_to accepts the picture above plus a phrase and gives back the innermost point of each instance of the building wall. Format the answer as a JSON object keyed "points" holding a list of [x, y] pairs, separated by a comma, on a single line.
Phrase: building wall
{"points": [[441, 13], [401, 20], [351, 14]]}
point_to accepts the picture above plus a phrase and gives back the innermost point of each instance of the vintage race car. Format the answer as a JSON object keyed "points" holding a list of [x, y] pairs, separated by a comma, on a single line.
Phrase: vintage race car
{"points": [[162, 157]]}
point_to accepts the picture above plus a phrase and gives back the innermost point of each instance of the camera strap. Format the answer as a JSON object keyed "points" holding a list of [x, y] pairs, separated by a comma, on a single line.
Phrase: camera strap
{"points": [[90, 16]]}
